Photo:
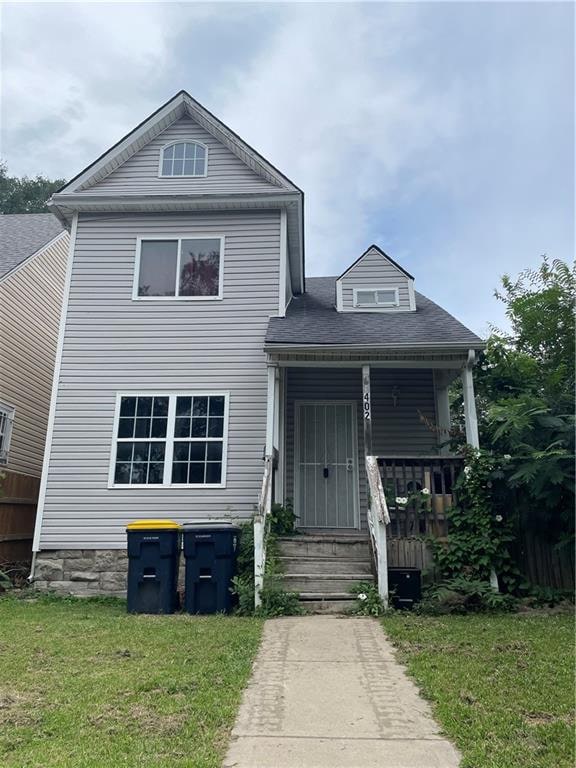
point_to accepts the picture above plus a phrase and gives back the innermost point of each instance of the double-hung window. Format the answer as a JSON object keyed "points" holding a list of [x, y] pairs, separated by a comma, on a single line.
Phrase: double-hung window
{"points": [[179, 268], [376, 297], [6, 421], [170, 440]]}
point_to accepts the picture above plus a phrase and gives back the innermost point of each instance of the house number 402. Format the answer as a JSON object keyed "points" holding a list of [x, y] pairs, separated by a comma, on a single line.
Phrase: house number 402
{"points": [[367, 406]]}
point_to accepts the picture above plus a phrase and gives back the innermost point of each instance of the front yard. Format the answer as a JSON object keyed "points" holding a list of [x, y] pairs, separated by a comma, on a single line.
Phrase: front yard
{"points": [[502, 686], [83, 685]]}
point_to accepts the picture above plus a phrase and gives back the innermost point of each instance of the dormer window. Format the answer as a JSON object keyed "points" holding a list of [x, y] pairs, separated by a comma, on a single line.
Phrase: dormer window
{"points": [[184, 158], [375, 297]]}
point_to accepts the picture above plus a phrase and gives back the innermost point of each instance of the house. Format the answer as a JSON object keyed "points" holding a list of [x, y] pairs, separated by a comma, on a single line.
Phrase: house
{"points": [[33, 255], [198, 365]]}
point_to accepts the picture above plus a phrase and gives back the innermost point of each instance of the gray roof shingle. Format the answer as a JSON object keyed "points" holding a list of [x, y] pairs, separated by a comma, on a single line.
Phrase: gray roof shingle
{"points": [[312, 319], [22, 234]]}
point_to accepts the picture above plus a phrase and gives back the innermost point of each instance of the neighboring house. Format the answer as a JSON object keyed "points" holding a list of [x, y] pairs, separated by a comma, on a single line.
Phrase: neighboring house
{"points": [[33, 256], [193, 348]]}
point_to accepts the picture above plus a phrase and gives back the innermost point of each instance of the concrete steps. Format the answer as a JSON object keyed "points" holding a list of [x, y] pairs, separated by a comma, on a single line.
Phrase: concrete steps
{"points": [[323, 568]]}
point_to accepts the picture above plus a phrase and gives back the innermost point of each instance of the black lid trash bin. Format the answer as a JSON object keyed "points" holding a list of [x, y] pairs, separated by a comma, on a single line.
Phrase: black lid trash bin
{"points": [[210, 553], [153, 556], [405, 585]]}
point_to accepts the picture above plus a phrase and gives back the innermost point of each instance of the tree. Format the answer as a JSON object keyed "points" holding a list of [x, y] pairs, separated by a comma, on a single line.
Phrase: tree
{"points": [[25, 195]]}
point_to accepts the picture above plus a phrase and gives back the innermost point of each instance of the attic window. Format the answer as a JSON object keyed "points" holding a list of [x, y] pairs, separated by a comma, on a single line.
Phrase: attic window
{"points": [[184, 158], [376, 297]]}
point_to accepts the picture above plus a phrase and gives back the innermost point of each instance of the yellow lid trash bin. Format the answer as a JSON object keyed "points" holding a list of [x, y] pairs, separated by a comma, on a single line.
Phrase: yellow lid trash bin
{"points": [[153, 560]]}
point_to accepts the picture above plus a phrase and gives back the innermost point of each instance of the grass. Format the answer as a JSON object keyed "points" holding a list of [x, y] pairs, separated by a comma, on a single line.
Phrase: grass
{"points": [[502, 687], [83, 685]]}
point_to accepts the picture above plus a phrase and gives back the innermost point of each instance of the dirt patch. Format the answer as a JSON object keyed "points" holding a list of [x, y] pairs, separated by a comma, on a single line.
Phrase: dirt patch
{"points": [[545, 718], [18, 709], [138, 717]]}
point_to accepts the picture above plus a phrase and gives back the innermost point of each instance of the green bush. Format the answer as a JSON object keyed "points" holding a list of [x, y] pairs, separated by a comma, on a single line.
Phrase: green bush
{"points": [[283, 520], [464, 595], [368, 602]]}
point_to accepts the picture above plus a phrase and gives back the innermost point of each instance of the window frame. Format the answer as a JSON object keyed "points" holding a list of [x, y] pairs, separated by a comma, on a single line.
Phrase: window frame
{"points": [[169, 440], [178, 238], [377, 305], [9, 412], [183, 175]]}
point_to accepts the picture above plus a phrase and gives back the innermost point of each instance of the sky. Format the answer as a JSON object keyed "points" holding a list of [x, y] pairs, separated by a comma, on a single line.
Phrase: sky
{"points": [[442, 132]]}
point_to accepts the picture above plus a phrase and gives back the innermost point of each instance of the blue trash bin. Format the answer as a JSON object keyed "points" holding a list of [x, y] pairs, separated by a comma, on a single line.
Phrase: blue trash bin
{"points": [[210, 552], [153, 559]]}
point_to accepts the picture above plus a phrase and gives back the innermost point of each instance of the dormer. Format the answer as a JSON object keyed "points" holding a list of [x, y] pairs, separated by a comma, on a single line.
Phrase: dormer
{"points": [[375, 283]]}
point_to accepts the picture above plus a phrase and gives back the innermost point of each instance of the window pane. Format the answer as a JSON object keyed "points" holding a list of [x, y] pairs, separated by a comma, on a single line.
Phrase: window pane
{"points": [[160, 406], [200, 268], [126, 428], [196, 474], [365, 297], [197, 451], [216, 427], [169, 152], [183, 406], [139, 473], [158, 268], [144, 407], [182, 428], [141, 451], [124, 451], [178, 150], [122, 474], [200, 406], [166, 166], [213, 472], [159, 427], [142, 428], [179, 473], [128, 406], [181, 451], [157, 451], [178, 167], [214, 452], [189, 167], [216, 406], [199, 167], [156, 474], [386, 297], [199, 427]]}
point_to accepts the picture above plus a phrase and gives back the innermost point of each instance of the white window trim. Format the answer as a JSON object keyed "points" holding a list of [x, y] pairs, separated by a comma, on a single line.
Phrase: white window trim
{"points": [[383, 305], [144, 238], [169, 440], [10, 412], [183, 175]]}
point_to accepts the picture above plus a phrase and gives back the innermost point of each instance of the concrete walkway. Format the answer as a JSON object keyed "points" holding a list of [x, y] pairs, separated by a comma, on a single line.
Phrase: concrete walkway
{"points": [[327, 692]]}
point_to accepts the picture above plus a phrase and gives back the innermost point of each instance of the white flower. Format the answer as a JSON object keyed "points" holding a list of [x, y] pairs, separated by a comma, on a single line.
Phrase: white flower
{"points": [[467, 470], [401, 500], [362, 596], [507, 456], [498, 518], [425, 491]]}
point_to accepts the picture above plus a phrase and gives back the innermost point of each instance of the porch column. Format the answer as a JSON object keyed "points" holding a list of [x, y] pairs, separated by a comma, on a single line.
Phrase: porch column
{"points": [[470, 418], [443, 419], [271, 409], [366, 410]]}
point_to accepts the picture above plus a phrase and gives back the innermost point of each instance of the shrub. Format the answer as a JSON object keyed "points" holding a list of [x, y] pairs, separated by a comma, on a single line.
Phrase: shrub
{"points": [[368, 602], [283, 520], [464, 595]]}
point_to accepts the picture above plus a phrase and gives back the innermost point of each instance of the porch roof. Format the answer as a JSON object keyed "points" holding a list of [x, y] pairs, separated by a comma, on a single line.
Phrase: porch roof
{"points": [[311, 319]]}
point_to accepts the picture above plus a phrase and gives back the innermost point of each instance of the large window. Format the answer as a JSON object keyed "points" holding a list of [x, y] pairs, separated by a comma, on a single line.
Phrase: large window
{"points": [[6, 420], [184, 158], [170, 440], [376, 297], [179, 268]]}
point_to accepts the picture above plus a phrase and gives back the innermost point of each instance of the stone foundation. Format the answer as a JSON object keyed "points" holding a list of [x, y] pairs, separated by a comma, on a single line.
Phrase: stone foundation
{"points": [[82, 572]]}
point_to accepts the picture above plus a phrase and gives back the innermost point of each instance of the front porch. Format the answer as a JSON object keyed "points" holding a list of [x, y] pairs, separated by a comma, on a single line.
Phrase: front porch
{"points": [[326, 416]]}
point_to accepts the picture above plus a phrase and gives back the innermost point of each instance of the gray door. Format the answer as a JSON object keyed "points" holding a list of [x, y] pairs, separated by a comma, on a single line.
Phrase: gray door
{"points": [[326, 471]]}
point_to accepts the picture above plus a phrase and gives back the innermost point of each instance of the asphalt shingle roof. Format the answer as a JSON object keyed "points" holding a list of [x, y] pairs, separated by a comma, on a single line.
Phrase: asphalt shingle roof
{"points": [[312, 319], [22, 234]]}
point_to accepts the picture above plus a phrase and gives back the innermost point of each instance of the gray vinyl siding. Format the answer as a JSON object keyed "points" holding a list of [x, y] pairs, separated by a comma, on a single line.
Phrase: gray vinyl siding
{"points": [[112, 344], [374, 271], [30, 307], [139, 174], [397, 430]]}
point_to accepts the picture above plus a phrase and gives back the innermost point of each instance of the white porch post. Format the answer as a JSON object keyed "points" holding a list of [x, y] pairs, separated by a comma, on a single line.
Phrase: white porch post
{"points": [[470, 418], [366, 410], [271, 398]]}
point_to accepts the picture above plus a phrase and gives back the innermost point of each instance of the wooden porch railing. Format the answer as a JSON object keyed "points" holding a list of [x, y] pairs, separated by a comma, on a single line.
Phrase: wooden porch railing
{"points": [[261, 523], [427, 483]]}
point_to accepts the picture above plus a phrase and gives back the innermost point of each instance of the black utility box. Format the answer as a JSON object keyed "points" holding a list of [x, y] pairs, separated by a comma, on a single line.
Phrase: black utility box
{"points": [[405, 586], [210, 551], [153, 557]]}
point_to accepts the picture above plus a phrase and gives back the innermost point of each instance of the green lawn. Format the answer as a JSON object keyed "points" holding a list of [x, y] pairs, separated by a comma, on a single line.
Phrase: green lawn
{"points": [[84, 685], [502, 686]]}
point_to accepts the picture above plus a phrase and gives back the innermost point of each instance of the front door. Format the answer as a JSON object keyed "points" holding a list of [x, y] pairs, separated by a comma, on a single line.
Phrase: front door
{"points": [[326, 465]]}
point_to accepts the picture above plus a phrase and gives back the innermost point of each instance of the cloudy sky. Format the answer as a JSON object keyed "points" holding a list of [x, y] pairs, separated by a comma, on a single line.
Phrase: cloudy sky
{"points": [[443, 132]]}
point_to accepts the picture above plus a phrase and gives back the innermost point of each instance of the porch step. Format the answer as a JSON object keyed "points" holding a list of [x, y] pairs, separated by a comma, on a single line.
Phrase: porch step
{"points": [[326, 565], [327, 604], [340, 547], [323, 583]]}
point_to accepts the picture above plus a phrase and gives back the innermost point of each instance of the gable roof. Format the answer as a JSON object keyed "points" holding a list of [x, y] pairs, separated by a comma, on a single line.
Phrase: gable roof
{"points": [[22, 235], [375, 249], [178, 106], [312, 320]]}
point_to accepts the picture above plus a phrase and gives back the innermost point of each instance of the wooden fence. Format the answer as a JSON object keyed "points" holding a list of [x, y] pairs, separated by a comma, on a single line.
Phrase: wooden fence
{"points": [[18, 501], [544, 563]]}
